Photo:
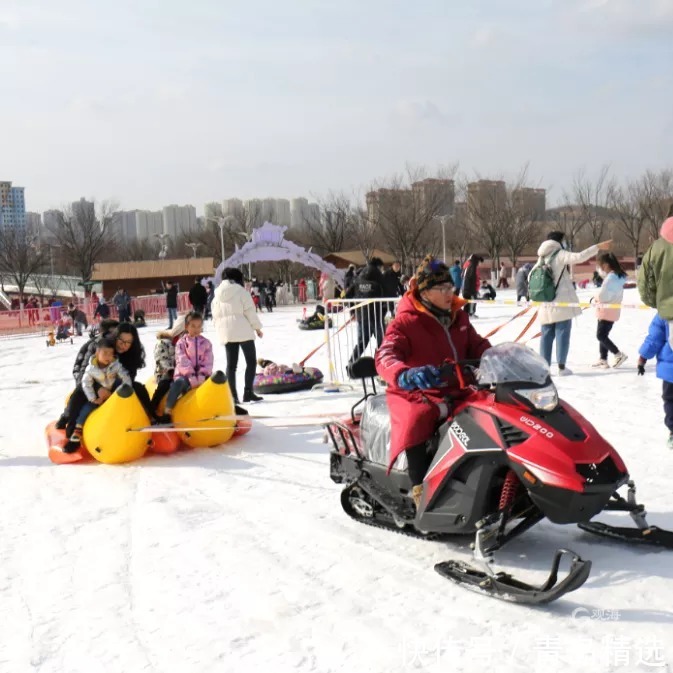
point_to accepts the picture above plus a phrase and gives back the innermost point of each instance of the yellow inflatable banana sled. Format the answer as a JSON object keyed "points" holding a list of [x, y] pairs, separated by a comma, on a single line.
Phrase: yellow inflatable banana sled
{"points": [[105, 433], [199, 406]]}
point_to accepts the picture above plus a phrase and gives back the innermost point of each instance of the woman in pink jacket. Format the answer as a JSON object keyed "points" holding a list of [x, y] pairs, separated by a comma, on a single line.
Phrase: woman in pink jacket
{"points": [[193, 362]]}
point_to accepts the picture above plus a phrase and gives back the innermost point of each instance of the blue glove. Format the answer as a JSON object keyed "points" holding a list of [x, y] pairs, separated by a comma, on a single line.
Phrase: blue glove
{"points": [[419, 377]]}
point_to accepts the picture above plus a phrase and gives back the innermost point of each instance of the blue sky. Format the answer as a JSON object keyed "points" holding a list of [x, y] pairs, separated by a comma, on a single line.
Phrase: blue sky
{"points": [[171, 102]]}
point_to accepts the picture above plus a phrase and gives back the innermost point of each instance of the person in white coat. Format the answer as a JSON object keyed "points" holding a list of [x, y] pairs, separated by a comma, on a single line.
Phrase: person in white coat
{"points": [[236, 323], [556, 321]]}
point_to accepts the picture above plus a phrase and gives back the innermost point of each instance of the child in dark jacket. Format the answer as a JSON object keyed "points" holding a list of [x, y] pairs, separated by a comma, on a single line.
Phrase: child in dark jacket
{"points": [[164, 360], [658, 343], [102, 376], [193, 362]]}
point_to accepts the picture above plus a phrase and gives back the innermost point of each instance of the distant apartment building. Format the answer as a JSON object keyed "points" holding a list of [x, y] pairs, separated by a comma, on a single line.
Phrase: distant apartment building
{"points": [[12, 207], [123, 226], [149, 224], [283, 213], [34, 224], [485, 198], [530, 201], [389, 205], [253, 211], [298, 213], [434, 196], [233, 207], [304, 215], [179, 220]]}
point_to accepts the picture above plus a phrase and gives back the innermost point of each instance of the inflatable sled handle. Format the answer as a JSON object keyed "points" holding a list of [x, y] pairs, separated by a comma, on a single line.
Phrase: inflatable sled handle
{"points": [[305, 419]]}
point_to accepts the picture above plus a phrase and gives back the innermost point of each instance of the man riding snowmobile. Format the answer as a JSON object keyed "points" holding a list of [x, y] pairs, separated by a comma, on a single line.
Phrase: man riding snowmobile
{"points": [[428, 331]]}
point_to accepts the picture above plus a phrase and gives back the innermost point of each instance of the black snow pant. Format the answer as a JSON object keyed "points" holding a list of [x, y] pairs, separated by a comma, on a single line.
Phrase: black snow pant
{"points": [[250, 355], [470, 308], [419, 458], [667, 396], [162, 388], [605, 344], [369, 325]]}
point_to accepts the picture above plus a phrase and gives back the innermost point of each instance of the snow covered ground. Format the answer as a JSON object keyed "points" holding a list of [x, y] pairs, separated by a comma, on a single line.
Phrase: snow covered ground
{"points": [[240, 558]]}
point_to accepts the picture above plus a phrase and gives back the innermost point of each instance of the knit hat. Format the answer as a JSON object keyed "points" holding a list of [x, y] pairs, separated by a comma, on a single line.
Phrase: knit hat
{"points": [[666, 231], [432, 272]]}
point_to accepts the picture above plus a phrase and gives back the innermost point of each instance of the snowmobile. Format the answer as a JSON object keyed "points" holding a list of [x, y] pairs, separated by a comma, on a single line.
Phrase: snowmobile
{"points": [[510, 455]]}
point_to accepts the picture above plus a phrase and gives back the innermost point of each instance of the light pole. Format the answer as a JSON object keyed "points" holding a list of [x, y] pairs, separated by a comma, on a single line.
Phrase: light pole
{"points": [[247, 237], [194, 247], [443, 219], [164, 249], [222, 222]]}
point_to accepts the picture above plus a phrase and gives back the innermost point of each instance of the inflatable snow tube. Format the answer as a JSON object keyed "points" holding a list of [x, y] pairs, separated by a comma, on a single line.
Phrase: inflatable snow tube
{"points": [[106, 435], [289, 382]]}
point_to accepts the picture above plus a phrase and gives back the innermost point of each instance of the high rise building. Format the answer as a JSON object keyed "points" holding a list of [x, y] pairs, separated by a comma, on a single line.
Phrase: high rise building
{"points": [[179, 220], [298, 213], [531, 202], [434, 197], [34, 224], [123, 226], [283, 213], [149, 224], [485, 199], [388, 205], [12, 207], [233, 207]]}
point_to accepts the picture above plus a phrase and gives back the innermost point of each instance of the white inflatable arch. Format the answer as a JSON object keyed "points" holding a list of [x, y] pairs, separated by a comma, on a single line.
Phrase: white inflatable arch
{"points": [[268, 244]]}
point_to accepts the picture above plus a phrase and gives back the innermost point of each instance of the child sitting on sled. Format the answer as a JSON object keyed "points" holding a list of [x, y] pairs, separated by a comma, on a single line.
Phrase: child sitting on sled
{"points": [[164, 360], [103, 375], [193, 362], [270, 368]]}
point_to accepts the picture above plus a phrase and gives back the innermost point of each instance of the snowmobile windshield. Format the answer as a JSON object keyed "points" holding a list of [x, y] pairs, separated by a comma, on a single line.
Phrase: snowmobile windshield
{"points": [[512, 363]]}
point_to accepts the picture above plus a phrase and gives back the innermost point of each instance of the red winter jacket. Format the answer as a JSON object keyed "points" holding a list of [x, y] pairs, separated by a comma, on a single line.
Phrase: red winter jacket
{"points": [[413, 339]]}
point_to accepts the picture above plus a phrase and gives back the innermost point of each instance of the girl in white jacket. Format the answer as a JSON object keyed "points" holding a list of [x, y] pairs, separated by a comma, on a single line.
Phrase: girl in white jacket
{"points": [[611, 292], [236, 323]]}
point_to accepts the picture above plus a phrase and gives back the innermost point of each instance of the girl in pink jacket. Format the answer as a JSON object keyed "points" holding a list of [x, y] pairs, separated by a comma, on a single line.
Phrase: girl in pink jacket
{"points": [[193, 362]]}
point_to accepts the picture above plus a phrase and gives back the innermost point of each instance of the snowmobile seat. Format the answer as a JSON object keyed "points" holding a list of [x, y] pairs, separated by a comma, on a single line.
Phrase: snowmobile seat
{"points": [[363, 369], [375, 432]]}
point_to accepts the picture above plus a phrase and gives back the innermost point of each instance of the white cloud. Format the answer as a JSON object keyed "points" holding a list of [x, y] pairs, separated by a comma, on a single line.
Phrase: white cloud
{"points": [[420, 112], [485, 36], [625, 16]]}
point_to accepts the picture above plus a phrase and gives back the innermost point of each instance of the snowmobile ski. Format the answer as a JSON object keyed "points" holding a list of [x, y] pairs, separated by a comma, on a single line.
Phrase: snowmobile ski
{"points": [[505, 587], [652, 536]]}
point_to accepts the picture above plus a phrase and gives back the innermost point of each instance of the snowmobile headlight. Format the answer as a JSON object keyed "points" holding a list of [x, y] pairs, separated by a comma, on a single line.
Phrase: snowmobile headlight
{"points": [[544, 399]]}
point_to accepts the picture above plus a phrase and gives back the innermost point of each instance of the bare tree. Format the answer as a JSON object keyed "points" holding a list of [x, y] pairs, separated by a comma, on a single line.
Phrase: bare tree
{"points": [[364, 232], [332, 227], [486, 207], [20, 258], [593, 197], [406, 210], [459, 235], [569, 219], [657, 196], [137, 250], [627, 205], [85, 234]]}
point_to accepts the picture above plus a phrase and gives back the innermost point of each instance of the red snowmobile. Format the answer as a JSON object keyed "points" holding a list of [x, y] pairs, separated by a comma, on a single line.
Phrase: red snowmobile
{"points": [[511, 455]]}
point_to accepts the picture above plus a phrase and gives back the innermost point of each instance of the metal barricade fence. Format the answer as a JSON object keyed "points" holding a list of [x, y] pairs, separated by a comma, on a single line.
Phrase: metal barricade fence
{"points": [[353, 328]]}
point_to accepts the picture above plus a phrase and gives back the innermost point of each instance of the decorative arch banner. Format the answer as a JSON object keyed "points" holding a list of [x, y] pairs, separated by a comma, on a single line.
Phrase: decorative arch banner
{"points": [[268, 244]]}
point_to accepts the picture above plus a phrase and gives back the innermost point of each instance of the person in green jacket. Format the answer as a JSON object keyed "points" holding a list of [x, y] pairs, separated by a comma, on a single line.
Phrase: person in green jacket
{"points": [[655, 277]]}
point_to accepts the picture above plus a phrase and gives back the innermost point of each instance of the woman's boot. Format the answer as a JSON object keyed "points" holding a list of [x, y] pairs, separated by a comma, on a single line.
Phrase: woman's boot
{"points": [[249, 396]]}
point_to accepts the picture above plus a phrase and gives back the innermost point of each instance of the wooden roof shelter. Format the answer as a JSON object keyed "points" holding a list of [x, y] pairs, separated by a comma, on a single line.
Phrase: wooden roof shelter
{"points": [[345, 257], [148, 276]]}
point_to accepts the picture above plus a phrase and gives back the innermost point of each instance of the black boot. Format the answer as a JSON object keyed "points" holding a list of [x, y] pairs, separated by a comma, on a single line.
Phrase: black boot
{"points": [[249, 396]]}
